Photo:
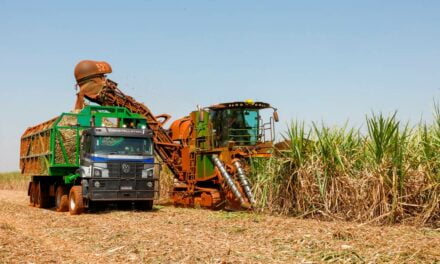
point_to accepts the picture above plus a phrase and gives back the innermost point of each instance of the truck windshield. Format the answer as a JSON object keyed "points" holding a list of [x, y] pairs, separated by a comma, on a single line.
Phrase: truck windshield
{"points": [[122, 145]]}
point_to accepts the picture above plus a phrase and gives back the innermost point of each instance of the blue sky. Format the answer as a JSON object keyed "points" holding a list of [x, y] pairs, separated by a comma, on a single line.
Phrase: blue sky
{"points": [[328, 61]]}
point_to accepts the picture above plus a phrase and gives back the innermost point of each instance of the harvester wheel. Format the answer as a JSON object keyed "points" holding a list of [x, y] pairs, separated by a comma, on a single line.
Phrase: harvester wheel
{"points": [[61, 200], [76, 205], [144, 205]]}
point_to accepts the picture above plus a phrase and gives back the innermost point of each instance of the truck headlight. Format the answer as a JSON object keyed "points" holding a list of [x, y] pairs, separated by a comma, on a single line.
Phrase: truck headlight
{"points": [[149, 184], [97, 173]]}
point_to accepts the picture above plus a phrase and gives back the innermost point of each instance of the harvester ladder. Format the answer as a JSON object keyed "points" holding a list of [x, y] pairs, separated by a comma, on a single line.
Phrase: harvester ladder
{"points": [[192, 170]]}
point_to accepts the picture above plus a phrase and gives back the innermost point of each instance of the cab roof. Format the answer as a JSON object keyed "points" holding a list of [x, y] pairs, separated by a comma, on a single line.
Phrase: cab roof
{"points": [[240, 104]]}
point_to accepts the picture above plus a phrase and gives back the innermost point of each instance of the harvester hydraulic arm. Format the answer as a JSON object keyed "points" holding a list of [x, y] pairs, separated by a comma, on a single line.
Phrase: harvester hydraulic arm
{"points": [[106, 92]]}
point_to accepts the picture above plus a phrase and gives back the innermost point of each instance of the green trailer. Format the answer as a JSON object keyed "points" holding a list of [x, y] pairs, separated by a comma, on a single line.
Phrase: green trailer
{"points": [[98, 155]]}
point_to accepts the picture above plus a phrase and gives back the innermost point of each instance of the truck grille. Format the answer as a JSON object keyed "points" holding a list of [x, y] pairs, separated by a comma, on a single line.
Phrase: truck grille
{"points": [[125, 169]]}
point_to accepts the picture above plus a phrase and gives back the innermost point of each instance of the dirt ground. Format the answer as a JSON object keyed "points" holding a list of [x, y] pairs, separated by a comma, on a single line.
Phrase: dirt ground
{"points": [[177, 235]]}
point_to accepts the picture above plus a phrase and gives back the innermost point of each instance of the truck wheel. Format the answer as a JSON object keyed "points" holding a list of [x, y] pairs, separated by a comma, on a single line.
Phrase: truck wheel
{"points": [[61, 200], [76, 205], [32, 197], [36, 193], [144, 205], [42, 195]]}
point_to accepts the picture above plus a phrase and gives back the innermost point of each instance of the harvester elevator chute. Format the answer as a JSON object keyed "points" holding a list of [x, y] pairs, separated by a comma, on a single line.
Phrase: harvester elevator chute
{"points": [[230, 181], [244, 181]]}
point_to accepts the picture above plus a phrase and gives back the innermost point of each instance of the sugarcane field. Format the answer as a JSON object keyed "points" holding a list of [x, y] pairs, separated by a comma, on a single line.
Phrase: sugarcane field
{"points": [[220, 132]]}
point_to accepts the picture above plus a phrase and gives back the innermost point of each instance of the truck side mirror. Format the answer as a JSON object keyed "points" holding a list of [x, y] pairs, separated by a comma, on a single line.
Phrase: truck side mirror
{"points": [[275, 116]]}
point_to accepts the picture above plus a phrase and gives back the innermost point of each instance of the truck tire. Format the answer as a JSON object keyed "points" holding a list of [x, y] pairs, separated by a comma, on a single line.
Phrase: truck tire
{"points": [[76, 205], [36, 192], [61, 199], [42, 195], [144, 205], [32, 197]]}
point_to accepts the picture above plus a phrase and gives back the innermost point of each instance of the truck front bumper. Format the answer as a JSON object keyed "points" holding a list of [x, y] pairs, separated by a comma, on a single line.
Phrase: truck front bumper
{"points": [[117, 189]]}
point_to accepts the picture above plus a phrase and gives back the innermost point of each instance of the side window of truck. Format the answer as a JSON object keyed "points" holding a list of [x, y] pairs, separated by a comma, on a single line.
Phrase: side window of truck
{"points": [[85, 144]]}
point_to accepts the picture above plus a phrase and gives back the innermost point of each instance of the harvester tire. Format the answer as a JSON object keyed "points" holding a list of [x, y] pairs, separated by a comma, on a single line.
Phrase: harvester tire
{"points": [[76, 205], [61, 199], [144, 205]]}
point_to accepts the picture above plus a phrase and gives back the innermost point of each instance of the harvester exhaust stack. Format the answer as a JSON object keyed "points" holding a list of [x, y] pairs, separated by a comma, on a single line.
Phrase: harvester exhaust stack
{"points": [[244, 181], [229, 181]]}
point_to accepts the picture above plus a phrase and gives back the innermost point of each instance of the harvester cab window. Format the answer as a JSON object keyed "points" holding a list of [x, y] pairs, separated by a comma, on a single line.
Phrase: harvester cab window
{"points": [[251, 120], [238, 125]]}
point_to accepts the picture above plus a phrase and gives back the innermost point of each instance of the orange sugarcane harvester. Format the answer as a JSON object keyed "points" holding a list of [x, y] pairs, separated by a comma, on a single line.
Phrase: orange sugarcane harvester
{"points": [[209, 151]]}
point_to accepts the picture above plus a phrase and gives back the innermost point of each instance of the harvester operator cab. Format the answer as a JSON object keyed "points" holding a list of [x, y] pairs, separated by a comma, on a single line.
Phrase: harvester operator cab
{"points": [[240, 123]]}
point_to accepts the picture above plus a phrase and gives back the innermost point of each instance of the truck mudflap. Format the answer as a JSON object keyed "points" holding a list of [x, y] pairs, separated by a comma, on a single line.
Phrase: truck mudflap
{"points": [[117, 189]]}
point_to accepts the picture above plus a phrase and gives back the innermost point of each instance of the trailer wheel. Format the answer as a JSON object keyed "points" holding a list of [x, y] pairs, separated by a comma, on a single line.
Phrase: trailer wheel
{"points": [[144, 205], [61, 199], [42, 195], [76, 205], [37, 197], [32, 196]]}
